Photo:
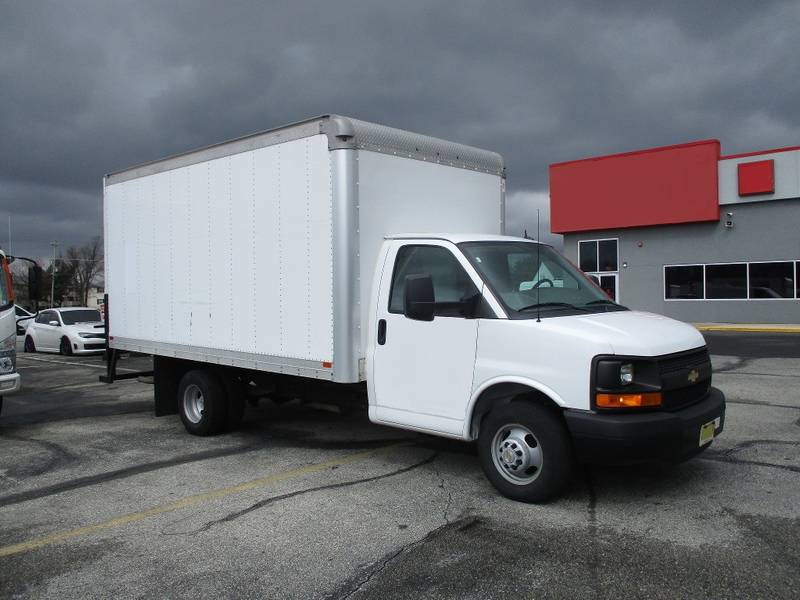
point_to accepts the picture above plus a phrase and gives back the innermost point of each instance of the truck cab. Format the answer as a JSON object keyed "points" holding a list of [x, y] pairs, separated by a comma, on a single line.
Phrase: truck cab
{"points": [[9, 378], [502, 340]]}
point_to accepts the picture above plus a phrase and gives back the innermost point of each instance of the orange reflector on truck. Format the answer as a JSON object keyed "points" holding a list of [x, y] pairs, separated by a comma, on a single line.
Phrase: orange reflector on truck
{"points": [[629, 400], [327, 365]]}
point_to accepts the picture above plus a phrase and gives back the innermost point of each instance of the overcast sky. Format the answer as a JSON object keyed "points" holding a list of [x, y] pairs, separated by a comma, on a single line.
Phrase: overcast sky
{"points": [[90, 87]]}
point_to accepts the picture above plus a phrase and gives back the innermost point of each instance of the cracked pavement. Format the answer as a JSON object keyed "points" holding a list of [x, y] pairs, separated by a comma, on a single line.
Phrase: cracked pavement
{"points": [[305, 503]]}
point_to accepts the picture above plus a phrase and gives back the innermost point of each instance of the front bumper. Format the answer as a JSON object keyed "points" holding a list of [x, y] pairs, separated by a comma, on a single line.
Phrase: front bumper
{"points": [[88, 345], [630, 438], [10, 383]]}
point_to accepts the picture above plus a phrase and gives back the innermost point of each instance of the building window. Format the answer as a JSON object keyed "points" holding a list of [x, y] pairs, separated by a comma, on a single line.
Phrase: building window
{"points": [[772, 280], [588, 256], [776, 280], [599, 259], [726, 282], [607, 255], [597, 256], [683, 282]]}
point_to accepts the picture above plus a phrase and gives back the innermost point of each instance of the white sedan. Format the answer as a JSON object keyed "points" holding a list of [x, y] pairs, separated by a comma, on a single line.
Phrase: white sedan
{"points": [[74, 330]]}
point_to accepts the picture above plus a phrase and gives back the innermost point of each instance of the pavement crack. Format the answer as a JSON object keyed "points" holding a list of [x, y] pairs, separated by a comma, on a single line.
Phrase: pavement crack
{"points": [[740, 461], [57, 455], [591, 521], [751, 443], [448, 504], [273, 499], [91, 480], [736, 365], [357, 583], [760, 403]]}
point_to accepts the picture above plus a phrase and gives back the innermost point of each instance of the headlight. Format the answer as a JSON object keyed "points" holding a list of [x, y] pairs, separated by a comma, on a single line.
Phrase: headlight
{"points": [[8, 354], [626, 382], [10, 343], [83, 334], [626, 374]]}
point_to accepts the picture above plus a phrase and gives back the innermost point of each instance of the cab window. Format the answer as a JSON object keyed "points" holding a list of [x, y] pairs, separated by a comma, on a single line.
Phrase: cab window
{"points": [[451, 284]]}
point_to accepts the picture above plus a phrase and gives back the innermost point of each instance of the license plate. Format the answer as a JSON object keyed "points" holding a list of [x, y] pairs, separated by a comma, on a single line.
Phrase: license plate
{"points": [[707, 432]]}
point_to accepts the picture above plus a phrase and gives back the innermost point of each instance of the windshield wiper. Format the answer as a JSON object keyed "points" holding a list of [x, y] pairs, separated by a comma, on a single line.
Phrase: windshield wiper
{"points": [[609, 303], [553, 305]]}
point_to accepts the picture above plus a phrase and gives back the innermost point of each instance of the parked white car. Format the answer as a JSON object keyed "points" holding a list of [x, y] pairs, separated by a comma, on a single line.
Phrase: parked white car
{"points": [[74, 330]]}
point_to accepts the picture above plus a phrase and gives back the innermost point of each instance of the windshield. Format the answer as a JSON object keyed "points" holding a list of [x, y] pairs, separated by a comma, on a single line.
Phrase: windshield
{"points": [[529, 278], [5, 284], [71, 317]]}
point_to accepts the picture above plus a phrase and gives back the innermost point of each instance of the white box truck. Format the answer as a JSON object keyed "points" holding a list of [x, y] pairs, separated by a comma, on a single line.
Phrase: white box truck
{"points": [[342, 259]]}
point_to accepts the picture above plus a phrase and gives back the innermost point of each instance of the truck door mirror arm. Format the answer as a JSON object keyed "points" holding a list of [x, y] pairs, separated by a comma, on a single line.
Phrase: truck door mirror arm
{"points": [[418, 299]]}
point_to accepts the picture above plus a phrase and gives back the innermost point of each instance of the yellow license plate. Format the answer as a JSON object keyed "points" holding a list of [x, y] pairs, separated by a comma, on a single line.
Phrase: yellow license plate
{"points": [[707, 432]]}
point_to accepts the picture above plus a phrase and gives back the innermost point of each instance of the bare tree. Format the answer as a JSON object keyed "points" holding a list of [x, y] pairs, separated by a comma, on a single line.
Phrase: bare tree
{"points": [[87, 262]]}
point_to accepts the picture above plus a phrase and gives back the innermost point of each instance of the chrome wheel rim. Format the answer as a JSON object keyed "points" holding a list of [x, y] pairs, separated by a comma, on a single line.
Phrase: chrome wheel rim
{"points": [[517, 454], [193, 403]]}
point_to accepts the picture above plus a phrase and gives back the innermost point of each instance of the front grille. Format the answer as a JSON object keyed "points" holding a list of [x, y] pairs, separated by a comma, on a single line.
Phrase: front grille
{"points": [[677, 372], [685, 361], [94, 346], [685, 396]]}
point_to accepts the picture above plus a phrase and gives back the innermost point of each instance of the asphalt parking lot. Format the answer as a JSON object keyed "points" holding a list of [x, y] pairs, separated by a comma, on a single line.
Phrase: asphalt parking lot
{"points": [[100, 499]]}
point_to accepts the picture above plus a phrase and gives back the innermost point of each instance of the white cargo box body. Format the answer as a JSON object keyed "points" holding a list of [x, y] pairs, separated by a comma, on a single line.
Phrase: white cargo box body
{"points": [[259, 252]]}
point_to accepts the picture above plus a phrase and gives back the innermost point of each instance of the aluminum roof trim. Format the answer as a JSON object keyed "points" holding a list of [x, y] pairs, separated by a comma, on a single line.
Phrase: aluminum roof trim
{"points": [[342, 133]]}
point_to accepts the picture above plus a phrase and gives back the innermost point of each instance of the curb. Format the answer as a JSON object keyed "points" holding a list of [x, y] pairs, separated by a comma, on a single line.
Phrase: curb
{"points": [[749, 328]]}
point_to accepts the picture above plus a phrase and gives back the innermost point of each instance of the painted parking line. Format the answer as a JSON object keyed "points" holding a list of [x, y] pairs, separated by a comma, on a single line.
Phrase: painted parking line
{"points": [[188, 501], [71, 364], [78, 386]]}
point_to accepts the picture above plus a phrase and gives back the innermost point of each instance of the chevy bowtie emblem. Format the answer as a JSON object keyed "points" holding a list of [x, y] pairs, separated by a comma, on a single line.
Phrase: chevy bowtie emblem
{"points": [[693, 376]]}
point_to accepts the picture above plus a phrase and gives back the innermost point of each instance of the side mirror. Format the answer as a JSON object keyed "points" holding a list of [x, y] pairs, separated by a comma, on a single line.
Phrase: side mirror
{"points": [[35, 283], [54, 323], [418, 299]]}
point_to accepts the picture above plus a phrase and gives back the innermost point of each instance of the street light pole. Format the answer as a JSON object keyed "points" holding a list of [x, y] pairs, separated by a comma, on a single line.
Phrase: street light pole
{"points": [[53, 276]]}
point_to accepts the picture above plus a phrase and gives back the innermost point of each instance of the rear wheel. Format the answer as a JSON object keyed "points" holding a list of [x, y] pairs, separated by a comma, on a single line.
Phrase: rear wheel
{"points": [[66, 347], [525, 451], [201, 402], [29, 345]]}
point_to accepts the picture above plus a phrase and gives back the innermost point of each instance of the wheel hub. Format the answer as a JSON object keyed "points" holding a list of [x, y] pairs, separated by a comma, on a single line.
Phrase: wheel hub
{"points": [[517, 454], [193, 403]]}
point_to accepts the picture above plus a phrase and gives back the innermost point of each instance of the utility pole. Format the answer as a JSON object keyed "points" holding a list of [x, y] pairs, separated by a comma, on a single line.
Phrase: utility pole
{"points": [[53, 276]]}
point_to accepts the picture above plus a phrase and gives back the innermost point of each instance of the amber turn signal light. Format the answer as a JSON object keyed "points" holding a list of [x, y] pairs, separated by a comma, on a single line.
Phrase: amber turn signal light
{"points": [[629, 400]]}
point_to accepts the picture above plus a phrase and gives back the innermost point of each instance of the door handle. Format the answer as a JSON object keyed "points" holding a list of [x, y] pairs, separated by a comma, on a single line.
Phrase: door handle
{"points": [[381, 332]]}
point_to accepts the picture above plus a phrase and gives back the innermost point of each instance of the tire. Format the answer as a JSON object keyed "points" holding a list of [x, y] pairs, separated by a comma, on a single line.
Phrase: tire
{"points": [[65, 347], [1, 405], [525, 451], [30, 347], [201, 403], [235, 403]]}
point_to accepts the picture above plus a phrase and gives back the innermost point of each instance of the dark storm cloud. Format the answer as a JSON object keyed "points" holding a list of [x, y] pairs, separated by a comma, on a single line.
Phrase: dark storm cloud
{"points": [[87, 88]]}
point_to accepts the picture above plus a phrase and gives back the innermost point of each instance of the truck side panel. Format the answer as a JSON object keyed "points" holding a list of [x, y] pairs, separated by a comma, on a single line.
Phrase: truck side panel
{"points": [[229, 260]]}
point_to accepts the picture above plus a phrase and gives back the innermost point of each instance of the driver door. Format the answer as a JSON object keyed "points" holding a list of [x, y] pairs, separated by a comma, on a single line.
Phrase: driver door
{"points": [[46, 334], [421, 371]]}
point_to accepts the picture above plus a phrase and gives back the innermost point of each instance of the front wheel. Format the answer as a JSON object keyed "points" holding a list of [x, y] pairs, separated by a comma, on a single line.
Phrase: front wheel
{"points": [[29, 345], [66, 347], [525, 451]]}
